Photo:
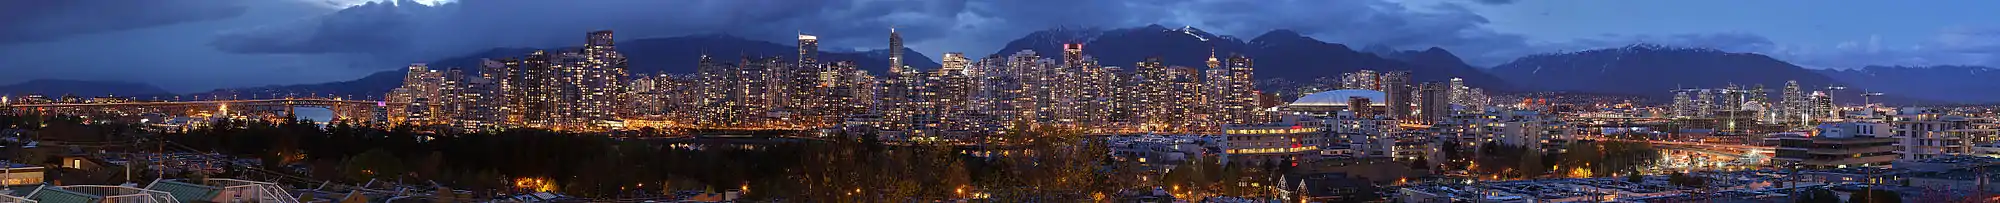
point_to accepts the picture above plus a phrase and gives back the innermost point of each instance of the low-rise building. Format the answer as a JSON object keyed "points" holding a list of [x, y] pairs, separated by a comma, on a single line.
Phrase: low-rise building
{"points": [[1528, 129], [16, 174], [1295, 138], [1155, 148], [1836, 145], [1323, 187], [1365, 137], [1925, 134], [1966, 179]]}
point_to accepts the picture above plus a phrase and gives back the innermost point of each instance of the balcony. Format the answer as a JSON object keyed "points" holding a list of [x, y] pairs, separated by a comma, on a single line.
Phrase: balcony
{"points": [[1851, 150], [1849, 161]]}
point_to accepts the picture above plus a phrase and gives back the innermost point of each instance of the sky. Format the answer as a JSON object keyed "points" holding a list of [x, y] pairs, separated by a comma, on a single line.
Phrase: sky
{"points": [[199, 45]]}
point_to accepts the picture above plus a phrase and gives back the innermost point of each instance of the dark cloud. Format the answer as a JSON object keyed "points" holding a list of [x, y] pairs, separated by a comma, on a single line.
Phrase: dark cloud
{"points": [[957, 25], [416, 29], [417, 32], [368, 28], [27, 21]]}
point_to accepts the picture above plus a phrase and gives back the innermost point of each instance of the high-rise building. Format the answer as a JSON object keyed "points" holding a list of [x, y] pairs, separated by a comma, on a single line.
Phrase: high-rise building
{"points": [[717, 103], [1238, 102], [1457, 91], [1683, 105], [757, 98], [1794, 109], [1436, 102], [1820, 107], [448, 98], [422, 93], [895, 49], [950, 93], [503, 77], [581, 89], [1704, 103], [1364, 79], [808, 49], [1396, 84], [848, 92]]}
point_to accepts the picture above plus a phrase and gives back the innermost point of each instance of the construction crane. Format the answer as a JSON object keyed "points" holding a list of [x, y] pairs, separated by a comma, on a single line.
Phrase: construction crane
{"points": [[1865, 95]]}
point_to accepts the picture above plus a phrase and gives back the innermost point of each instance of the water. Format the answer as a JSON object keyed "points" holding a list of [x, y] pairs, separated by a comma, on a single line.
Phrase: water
{"points": [[314, 114]]}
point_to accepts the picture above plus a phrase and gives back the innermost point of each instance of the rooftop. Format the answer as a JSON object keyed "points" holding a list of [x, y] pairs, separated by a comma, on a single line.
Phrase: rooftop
{"points": [[1341, 97]]}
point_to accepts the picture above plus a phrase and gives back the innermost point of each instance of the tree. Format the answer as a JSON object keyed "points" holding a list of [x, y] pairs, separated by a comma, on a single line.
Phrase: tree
{"points": [[1816, 195], [430, 165], [1450, 150], [1872, 195], [1683, 180], [1420, 163], [375, 163], [1634, 177], [1531, 163]]}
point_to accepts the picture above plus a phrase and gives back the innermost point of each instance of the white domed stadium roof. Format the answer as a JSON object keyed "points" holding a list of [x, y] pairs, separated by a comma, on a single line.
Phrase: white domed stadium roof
{"points": [[1340, 98]]}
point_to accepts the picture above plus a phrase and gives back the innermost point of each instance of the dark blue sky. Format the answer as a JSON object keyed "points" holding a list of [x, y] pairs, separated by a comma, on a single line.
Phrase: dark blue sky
{"points": [[197, 45]]}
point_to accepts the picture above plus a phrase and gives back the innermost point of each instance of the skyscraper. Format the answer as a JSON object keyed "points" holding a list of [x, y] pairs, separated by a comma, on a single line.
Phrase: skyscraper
{"points": [[1236, 101], [1396, 85], [950, 92], [1363, 79], [808, 49], [501, 76], [1683, 105], [1794, 108], [895, 49], [1820, 107], [1437, 102], [572, 90], [1457, 91]]}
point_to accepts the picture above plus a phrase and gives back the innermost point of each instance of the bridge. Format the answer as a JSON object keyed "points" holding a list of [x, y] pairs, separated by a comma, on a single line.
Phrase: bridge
{"points": [[1723, 147], [342, 108]]}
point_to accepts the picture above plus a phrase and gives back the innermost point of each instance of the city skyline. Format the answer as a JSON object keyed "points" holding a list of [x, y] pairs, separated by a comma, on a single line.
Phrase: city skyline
{"points": [[1930, 34], [1214, 101]]}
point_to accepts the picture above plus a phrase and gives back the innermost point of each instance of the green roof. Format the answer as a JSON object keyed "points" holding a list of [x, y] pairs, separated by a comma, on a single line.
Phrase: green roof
{"points": [[185, 192], [56, 195]]}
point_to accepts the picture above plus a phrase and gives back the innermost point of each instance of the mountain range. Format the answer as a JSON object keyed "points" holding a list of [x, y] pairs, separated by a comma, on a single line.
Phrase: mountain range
{"points": [[1278, 54], [1932, 84], [54, 88], [1281, 56], [678, 55], [1652, 70]]}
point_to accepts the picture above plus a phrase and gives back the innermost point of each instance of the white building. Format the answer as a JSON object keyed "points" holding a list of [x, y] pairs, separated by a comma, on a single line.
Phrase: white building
{"points": [[1295, 138], [1156, 148], [1528, 129], [1925, 134], [1366, 137]]}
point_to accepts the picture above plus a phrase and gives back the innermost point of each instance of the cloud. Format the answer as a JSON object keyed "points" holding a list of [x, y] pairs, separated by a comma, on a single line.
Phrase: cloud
{"points": [[1496, 2], [973, 26], [405, 30], [367, 28], [1959, 45], [42, 21], [1970, 39]]}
